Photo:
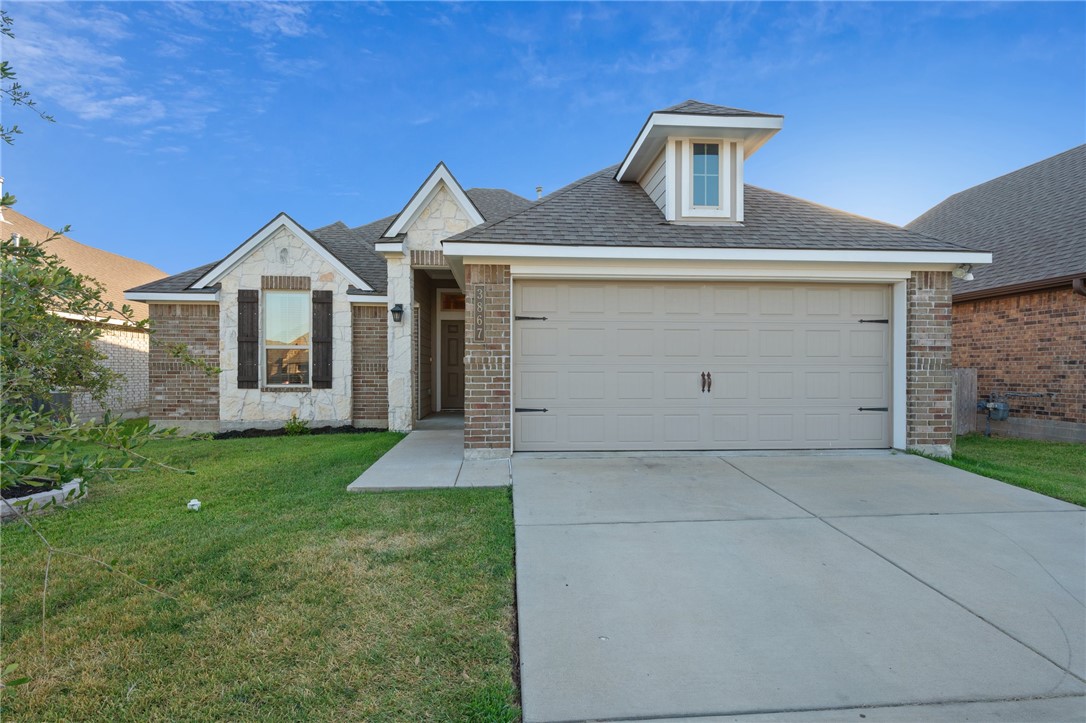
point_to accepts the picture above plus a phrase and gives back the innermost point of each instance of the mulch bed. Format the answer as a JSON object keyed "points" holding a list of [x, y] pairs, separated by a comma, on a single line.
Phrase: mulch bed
{"points": [[10, 493], [247, 433]]}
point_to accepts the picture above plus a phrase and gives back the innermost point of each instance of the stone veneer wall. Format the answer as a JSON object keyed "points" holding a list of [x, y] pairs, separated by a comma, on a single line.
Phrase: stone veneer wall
{"points": [[284, 254], [424, 344], [369, 375], [487, 384], [1033, 342], [929, 409], [440, 218], [125, 351], [182, 395]]}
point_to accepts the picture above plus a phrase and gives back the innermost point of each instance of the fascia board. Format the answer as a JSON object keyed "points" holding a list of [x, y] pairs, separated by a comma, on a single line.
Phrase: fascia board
{"points": [[269, 229], [653, 253], [678, 120], [389, 248], [174, 297]]}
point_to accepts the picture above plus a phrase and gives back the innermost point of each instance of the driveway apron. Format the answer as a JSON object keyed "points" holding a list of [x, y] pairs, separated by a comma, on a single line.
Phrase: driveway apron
{"points": [[794, 587]]}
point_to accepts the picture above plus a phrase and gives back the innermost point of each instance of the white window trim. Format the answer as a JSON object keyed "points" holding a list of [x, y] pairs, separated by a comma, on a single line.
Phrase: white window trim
{"points": [[723, 210], [264, 338]]}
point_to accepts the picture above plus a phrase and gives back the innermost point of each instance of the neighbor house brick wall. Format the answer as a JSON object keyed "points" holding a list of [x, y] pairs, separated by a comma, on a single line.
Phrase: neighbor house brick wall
{"points": [[929, 409], [486, 363], [369, 366], [125, 352], [1032, 343], [182, 394]]}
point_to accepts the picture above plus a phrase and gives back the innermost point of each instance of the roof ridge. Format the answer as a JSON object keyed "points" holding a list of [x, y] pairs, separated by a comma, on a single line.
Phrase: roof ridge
{"points": [[535, 204]]}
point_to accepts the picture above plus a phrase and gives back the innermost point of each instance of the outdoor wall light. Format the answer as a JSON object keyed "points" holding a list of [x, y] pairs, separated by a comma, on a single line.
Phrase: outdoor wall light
{"points": [[397, 313], [964, 272]]}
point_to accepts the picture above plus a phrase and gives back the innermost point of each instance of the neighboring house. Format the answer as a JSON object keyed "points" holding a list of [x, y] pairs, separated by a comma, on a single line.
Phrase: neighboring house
{"points": [[124, 346], [657, 304], [1021, 322]]}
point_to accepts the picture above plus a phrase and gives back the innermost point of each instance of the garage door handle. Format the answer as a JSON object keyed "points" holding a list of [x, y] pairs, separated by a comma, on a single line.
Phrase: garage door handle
{"points": [[874, 409], [703, 382], [530, 409], [709, 378]]}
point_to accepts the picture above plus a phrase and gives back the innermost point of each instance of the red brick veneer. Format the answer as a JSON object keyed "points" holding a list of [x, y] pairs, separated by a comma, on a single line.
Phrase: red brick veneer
{"points": [[369, 364], [487, 385], [1030, 342], [181, 392]]}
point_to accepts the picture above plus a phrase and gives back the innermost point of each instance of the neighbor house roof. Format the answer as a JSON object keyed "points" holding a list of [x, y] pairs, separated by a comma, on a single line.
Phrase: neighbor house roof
{"points": [[1033, 220], [115, 272], [600, 211], [353, 246]]}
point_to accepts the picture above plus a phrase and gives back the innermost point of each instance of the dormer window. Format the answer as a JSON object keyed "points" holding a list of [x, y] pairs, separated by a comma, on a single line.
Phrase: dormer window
{"points": [[706, 169], [705, 178], [689, 160]]}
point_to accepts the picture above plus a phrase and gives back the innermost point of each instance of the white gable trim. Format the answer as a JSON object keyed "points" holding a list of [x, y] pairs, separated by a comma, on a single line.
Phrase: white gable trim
{"points": [[241, 252], [180, 297], [426, 193]]}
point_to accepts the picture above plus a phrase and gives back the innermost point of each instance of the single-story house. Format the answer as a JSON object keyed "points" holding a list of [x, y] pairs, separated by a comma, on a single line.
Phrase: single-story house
{"points": [[1021, 322], [657, 304], [124, 347]]}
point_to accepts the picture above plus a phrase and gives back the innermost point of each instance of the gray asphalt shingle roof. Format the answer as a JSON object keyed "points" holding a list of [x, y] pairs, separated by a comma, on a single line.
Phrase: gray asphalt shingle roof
{"points": [[600, 211], [696, 107], [354, 246], [1033, 220]]}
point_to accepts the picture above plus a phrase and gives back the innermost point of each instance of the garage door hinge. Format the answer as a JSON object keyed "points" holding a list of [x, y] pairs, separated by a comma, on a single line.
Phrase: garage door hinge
{"points": [[874, 409], [530, 409], [529, 318], [874, 321]]}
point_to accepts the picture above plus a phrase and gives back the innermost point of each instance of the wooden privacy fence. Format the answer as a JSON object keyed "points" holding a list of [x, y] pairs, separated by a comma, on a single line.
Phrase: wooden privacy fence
{"points": [[965, 401]]}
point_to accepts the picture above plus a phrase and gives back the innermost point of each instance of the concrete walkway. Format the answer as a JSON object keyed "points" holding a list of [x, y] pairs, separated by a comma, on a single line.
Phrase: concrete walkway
{"points": [[431, 457], [874, 588]]}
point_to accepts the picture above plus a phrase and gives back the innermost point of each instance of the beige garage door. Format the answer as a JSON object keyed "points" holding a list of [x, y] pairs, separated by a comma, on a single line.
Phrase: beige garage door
{"points": [[620, 366]]}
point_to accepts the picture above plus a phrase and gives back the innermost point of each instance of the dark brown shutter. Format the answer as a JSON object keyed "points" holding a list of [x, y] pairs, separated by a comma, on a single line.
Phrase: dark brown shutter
{"points": [[248, 339], [322, 339]]}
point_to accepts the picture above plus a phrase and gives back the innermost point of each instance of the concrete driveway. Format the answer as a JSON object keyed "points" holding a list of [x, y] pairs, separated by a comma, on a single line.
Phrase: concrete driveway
{"points": [[853, 587]]}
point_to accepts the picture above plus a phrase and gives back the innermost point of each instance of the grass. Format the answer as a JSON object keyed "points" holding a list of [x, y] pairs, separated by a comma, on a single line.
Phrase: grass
{"points": [[295, 599], [1056, 469]]}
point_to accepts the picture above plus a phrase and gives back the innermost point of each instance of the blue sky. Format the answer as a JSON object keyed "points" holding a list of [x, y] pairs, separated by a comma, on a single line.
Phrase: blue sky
{"points": [[182, 128]]}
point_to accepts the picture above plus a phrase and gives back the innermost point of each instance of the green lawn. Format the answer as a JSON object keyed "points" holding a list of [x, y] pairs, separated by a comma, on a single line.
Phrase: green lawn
{"points": [[295, 599], [1055, 469]]}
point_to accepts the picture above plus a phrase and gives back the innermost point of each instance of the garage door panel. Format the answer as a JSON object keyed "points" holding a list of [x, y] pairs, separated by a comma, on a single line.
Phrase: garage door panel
{"points": [[618, 366]]}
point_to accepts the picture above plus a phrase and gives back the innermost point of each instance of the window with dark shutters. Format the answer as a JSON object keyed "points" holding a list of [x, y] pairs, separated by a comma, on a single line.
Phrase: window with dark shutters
{"points": [[248, 339], [322, 339]]}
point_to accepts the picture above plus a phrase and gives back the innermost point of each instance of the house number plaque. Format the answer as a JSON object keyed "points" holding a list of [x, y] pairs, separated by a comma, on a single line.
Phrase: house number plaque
{"points": [[478, 306]]}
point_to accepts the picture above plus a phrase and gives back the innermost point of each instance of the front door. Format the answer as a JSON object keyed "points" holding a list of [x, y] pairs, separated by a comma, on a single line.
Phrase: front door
{"points": [[452, 364]]}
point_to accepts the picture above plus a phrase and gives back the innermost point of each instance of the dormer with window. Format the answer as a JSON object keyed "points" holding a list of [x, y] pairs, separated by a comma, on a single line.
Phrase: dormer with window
{"points": [[689, 159]]}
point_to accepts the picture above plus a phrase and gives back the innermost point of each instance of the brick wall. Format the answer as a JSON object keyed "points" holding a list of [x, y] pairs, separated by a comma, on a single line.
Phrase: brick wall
{"points": [[929, 409], [125, 352], [369, 365], [1032, 342], [181, 394], [486, 364]]}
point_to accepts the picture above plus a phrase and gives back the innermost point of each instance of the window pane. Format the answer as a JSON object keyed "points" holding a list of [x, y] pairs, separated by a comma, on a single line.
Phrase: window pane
{"points": [[706, 174], [286, 319], [288, 366]]}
